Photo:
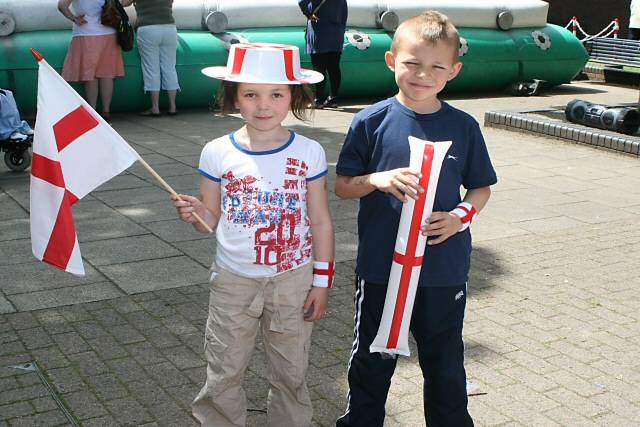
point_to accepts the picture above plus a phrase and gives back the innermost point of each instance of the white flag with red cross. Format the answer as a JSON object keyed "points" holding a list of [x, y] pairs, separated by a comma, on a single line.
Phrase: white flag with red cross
{"points": [[393, 332], [74, 151]]}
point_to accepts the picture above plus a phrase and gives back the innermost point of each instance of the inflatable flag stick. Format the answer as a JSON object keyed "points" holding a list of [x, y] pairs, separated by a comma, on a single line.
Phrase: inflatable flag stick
{"points": [[393, 332]]}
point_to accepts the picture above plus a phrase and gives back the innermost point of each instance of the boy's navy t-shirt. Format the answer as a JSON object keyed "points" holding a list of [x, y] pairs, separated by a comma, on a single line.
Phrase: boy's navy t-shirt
{"points": [[378, 141]]}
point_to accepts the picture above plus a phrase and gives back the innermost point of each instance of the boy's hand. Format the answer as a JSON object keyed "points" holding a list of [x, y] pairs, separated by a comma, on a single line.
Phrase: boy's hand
{"points": [[400, 182], [187, 206], [442, 225], [315, 306]]}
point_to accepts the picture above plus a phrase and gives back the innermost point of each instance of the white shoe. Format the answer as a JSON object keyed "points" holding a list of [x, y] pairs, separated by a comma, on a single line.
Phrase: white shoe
{"points": [[17, 136], [29, 132]]}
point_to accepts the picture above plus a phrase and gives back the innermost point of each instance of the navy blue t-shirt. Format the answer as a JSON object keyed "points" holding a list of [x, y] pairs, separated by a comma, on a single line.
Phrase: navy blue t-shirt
{"points": [[378, 141], [327, 33]]}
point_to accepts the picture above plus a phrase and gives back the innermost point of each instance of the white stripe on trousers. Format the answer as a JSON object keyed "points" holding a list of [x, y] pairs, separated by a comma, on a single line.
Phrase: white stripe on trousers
{"points": [[357, 299]]}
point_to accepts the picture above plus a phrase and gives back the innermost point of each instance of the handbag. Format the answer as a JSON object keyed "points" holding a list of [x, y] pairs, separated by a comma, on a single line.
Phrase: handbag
{"points": [[125, 36], [114, 16], [110, 16]]}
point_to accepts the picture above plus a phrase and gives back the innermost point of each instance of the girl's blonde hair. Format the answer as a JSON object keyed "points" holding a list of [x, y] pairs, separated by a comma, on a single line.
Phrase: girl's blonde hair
{"points": [[301, 99]]}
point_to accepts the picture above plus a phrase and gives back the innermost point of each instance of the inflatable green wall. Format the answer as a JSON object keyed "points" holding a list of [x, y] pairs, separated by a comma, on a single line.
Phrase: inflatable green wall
{"points": [[492, 60]]}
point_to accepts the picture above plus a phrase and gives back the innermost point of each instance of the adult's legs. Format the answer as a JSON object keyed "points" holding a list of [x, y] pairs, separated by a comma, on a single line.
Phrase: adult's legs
{"points": [[287, 338], [168, 74], [634, 33], [106, 93], [91, 92], [436, 324], [369, 374], [154, 96], [171, 94], [149, 39], [335, 75], [319, 63]]}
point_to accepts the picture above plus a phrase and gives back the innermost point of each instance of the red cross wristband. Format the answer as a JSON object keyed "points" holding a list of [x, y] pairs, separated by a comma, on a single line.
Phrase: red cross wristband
{"points": [[466, 212], [323, 274]]}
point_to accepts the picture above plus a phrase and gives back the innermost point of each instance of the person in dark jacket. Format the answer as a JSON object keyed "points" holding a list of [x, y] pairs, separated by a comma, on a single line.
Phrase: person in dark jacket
{"points": [[327, 22]]}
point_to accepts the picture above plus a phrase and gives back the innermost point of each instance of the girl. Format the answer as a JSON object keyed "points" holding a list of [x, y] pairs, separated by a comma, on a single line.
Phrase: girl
{"points": [[264, 188]]}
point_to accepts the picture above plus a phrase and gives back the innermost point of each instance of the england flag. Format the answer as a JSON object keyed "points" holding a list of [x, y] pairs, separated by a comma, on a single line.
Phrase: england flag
{"points": [[74, 151]]}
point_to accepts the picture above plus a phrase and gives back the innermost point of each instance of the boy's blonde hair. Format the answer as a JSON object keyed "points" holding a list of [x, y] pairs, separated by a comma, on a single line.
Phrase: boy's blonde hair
{"points": [[431, 26]]}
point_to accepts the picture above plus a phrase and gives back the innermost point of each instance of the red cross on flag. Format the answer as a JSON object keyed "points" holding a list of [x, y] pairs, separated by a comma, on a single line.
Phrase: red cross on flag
{"points": [[393, 332], [74, 151]]}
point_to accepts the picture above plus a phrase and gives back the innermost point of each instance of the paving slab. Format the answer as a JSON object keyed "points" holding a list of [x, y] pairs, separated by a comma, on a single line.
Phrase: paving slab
{"points": [[65, 296], [5, 305], [34, 276], [10, 208], [143, 276], [127, 249], [149, 212]]}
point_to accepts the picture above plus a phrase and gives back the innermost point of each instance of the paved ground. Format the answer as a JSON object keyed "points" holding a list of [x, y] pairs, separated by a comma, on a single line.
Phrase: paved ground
{"points": [[552, 328]]}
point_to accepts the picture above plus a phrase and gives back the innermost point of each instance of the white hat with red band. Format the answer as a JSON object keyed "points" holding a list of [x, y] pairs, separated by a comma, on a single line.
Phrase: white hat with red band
{"points": [[264, 63]]}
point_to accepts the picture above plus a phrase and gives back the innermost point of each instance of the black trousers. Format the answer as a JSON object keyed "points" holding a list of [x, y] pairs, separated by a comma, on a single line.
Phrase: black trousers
{"points": [[436, 325], [327, 63], [634, 33]]}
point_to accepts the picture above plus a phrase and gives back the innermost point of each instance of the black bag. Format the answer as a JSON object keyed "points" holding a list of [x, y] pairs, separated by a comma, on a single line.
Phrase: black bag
{"points": [[125, 36], [114, 16]]}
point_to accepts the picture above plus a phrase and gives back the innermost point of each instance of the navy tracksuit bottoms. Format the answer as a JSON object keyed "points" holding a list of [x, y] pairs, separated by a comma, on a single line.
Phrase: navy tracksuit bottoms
{"points": [[436, 325]]}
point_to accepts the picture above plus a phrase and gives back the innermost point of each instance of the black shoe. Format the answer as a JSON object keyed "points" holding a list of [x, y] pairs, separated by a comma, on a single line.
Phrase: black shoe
{"points": [[317, 104], [330, 102]]}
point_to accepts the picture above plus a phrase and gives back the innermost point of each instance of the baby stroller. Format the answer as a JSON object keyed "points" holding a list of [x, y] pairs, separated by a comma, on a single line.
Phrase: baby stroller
{"points": [[16, 136]]}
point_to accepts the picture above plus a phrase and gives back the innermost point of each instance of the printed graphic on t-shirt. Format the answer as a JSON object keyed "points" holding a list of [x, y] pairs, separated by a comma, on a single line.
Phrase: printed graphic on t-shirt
{"points": [[275, 215]]}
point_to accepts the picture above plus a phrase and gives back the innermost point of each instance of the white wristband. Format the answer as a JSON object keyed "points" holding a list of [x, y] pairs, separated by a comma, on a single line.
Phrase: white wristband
{"points": [[466, 212], [323, 274]]}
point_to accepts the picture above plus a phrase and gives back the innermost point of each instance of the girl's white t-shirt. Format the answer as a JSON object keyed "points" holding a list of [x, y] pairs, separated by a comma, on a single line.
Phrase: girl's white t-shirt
{"points": [[264, 228]]}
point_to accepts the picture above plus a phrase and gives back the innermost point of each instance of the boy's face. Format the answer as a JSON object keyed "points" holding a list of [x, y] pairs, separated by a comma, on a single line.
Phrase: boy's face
{"points": [[422, 70]]}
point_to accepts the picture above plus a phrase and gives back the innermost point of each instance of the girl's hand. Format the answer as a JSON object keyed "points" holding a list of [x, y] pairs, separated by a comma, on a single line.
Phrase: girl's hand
{"points": [[187, 206], [442, 225], [315, 307], [400, 182]]}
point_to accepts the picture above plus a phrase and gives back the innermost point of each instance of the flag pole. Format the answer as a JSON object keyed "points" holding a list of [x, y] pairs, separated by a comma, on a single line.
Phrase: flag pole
{"points": [[172, 191], [38, 56]]}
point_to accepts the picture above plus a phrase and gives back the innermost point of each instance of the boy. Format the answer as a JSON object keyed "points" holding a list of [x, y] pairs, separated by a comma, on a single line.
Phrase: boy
{"points": [[371, 166]]}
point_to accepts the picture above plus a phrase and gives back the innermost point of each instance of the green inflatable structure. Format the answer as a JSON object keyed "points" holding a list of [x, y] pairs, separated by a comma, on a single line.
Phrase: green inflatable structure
{"points": [[492, 59]]}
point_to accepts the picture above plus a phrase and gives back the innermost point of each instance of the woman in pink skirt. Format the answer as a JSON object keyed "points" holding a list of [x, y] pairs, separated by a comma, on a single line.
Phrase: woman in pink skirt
{"points": [[94, 56]]}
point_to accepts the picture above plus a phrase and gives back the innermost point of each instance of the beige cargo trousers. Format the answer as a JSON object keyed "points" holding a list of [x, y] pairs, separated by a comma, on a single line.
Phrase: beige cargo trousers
{"points": [[237, 307]]}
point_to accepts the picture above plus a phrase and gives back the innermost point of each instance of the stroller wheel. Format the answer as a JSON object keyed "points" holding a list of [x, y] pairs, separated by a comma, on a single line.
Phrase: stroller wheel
{"points": [[17, 160]]}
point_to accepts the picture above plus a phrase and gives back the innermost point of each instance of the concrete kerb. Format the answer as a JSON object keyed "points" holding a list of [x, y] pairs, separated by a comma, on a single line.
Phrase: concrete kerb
{"points": [[519, 121]]}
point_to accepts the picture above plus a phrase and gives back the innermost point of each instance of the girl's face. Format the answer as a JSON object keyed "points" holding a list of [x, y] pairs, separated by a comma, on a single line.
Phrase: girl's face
{"points": [[263, 106]]}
